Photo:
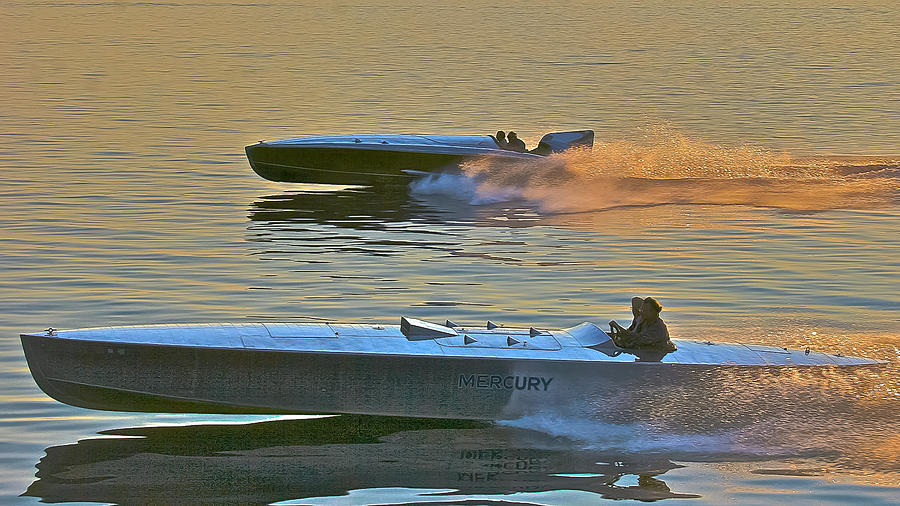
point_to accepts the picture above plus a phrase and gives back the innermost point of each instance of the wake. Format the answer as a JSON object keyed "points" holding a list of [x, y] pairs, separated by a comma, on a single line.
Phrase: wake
{"points": [[662, 166]]}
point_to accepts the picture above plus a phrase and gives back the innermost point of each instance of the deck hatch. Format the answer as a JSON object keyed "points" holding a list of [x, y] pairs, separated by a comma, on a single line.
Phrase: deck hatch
{"points": [[299, 330], [364, 330]]}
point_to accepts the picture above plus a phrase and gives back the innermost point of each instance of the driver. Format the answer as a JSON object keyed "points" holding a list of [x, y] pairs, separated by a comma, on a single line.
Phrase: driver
{"points": [[515, 143], [648, 329]]}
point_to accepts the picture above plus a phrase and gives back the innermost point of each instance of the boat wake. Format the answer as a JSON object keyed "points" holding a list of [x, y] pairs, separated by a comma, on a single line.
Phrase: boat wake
{"points": [[662, 166], [464, 188], [837, 420], [634, 438]]}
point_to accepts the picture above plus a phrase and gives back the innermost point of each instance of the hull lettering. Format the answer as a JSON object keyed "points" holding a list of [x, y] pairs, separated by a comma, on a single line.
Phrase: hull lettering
{"points": [[498, 382]]}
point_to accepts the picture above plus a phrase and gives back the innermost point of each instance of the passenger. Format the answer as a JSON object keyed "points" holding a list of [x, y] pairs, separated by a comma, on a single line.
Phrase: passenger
{"points": [[515, 143], [635, 312], [500, 139], [649, 331]]}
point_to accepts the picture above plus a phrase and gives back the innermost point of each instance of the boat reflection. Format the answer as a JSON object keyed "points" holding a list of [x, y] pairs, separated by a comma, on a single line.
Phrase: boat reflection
{"points": [[297, 459], [395, 207], [383, 206]]}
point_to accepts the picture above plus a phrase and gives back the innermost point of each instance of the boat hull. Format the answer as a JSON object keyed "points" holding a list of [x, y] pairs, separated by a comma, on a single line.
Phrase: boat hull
{"points": [[415, 369], [389, 159], [357, 166], [370, 159], [197, 380], [344, 166]]}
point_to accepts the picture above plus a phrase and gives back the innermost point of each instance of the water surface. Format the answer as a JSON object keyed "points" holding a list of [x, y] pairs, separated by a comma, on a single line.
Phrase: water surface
{"points": [[745, 173]]}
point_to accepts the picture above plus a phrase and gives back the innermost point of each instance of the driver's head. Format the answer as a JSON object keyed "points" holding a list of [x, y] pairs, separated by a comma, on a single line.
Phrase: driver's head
{"points": [[650, 308], [500, 134], [512, 136]]}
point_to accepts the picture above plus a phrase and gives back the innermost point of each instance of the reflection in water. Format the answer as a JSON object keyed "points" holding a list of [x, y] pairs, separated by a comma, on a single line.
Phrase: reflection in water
{"points": [[378, 208], [296, 459], [346, 207]]}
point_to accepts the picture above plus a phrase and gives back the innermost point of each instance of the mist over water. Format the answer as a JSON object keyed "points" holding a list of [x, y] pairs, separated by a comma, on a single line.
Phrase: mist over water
{"points": [[661, 165]]}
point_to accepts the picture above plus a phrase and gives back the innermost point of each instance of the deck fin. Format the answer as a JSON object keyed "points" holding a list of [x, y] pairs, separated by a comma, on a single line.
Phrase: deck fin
{"points": [[510, 340], [534, 332], [451, 324], [557, 142], [491, 325], [419, 330], [469, 339]]}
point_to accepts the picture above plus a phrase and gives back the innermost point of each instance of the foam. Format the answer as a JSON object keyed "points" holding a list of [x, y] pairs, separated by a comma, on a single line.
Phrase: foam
{"points": [[660, 165]]}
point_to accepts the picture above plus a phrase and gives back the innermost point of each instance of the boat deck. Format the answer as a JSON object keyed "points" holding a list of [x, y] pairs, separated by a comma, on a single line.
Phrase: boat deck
{"points": [[584, 343]]}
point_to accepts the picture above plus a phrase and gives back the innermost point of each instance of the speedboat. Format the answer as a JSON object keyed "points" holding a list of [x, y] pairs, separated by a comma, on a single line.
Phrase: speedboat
{"points": [[388, 159], [417, 368]]}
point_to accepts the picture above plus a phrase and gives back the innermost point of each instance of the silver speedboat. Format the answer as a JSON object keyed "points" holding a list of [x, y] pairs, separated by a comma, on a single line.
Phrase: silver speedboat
{"points": [[417, 368], [388, 159]]}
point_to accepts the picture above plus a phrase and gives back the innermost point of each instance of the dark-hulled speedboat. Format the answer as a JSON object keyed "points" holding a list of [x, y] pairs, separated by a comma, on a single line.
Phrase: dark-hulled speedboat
{"points": [[415, 369], [391, 159]]}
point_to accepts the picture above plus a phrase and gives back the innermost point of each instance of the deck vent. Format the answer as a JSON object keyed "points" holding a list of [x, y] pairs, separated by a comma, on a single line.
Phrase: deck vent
{"points": [[510, 340], [451, 324], [469, 340], [491, 325], [419, 330], [534, 332]]}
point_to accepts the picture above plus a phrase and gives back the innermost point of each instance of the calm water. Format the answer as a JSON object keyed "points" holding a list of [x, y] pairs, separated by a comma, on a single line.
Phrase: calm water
{"points": [[746, 173]]}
